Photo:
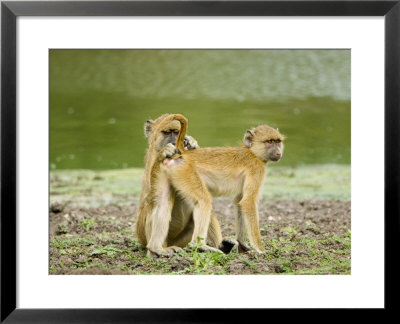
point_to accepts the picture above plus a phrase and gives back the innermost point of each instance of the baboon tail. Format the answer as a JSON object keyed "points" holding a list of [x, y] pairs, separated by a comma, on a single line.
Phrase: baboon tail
{"points": [[140, 229], [184, 125]]}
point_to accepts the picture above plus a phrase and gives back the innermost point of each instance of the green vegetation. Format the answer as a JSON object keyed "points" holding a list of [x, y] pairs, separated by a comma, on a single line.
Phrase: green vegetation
{"points": [[290, 254], [99, 188], [75, 242], [327, 255], [99, 238], [87, 224]]}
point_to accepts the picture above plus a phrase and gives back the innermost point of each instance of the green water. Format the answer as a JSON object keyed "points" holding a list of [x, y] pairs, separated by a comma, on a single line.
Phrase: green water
{"points": [[100, 99]]}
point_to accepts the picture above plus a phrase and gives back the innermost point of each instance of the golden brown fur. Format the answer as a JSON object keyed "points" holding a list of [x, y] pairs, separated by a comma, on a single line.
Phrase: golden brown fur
{"points": [[151, 197], [237, 171], [167, 220]]}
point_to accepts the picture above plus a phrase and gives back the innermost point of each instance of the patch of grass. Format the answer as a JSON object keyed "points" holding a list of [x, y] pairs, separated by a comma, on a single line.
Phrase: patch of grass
{"points": [[312, 227], [108, 250], [289, 254], [305, 255], [87, 224], [128, 229], [249, 263], [327, 181], [333, 266], [63, 229], [97, 265], [285, 266], [344, 240], [291, 250], [290, 232], [121, 186], [78, 241], [205, 262], [82, 264]]}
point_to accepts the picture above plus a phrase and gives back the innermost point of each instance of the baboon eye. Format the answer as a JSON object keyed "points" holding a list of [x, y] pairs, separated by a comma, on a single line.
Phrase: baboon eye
{"points": [[166, 132], [277, 141], [269, 141], [176, 131]]}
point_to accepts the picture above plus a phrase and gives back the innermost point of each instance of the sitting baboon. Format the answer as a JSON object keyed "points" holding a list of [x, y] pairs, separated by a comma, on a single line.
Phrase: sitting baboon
{"points": [[166, 221]]}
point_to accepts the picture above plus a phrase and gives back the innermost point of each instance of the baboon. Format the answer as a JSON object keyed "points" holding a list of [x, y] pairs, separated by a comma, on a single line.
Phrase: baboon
{"points": [[165, 221], [237, 171]]}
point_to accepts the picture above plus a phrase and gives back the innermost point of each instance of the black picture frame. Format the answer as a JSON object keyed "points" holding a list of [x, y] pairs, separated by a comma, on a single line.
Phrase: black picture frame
{"points": [[10, 10]]}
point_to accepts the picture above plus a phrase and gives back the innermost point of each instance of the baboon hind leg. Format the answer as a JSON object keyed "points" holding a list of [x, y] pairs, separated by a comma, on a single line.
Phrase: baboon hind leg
{"points": [[185, 235], [214, 237]]}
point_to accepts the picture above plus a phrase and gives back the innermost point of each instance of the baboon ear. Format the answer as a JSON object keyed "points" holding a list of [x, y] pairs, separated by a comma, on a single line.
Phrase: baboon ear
{"points": [[147, 128], [248, 138]]}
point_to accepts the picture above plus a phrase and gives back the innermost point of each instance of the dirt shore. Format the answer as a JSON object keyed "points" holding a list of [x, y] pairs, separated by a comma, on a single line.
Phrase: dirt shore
{"points": [[300, 236]]}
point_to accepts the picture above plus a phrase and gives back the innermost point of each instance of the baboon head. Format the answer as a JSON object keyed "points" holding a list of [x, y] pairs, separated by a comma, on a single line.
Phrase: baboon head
{"points": [[265, 142], [167, 133]]}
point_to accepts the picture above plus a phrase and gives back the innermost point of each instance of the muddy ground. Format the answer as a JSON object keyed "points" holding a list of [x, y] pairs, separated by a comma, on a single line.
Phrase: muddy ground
{"points": [[300, 236]]}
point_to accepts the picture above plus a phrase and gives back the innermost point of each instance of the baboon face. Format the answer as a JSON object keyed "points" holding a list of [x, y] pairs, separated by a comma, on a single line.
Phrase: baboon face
{"points": [[162, 136], [265, 142], [170, 135], [274, 149]]}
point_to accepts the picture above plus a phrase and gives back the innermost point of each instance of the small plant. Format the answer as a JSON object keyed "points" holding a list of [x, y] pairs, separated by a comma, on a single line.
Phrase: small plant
{"points": [[196, 258], [312, 227], [202, 261], [78, 241], [62, 229], [108, 250], [82, 264], [290, 231], [285, 266], [249, 263], [88, 224]]}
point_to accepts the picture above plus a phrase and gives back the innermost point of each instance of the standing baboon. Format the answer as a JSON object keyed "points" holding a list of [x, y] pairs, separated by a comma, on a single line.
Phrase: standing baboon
{"points": [[163, 221], [237, 171]]}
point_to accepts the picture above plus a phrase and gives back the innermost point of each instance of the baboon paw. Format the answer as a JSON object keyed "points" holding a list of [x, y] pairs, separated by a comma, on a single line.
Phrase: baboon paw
{"points": [[173, 249], [152, 254], [170, 150], [228, 245], [166, 252], [206, 248], [190, 143], [243, 248], [260, 251]]}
